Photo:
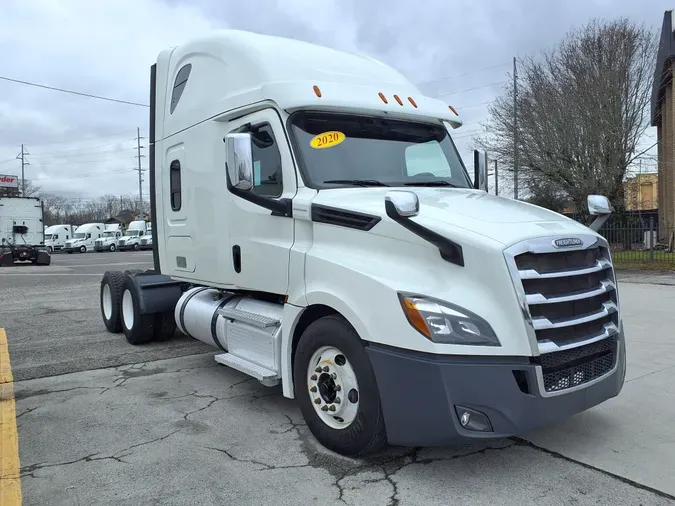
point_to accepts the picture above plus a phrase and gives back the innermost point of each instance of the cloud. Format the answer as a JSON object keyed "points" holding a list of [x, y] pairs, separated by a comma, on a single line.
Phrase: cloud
{"points": [[81, 146]]}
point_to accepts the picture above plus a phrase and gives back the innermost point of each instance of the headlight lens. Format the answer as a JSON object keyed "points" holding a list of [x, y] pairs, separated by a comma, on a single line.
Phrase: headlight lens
{"points": [[445, 323]]}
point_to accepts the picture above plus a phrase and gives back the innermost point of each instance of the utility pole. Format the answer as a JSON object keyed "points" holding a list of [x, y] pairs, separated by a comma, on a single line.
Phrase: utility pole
{"points": [[22, 156], [515, 129], [140, 172], [496, 179]]}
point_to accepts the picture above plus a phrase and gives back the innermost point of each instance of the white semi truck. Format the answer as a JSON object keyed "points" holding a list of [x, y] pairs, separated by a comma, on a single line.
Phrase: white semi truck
{"points": [[110, 238], [57, 235], [146, 240], [22, 231], [84, 238], [131, 239], [314, 222]]}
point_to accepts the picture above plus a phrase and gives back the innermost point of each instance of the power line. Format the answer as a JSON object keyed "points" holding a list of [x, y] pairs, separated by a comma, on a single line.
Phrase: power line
{"points": [[49, 154], [96, 137], [471, 89], [72, 92], [75, 155], [65, 163], [465, 73]]}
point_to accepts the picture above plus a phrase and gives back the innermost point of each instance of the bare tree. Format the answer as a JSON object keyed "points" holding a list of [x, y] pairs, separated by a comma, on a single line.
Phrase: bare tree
{"points": [[582, 109], [74, 211]]}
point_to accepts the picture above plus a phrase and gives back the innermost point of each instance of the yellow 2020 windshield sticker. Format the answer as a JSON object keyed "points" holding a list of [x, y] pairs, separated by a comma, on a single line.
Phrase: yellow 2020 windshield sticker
{"points": [[327, 140]]}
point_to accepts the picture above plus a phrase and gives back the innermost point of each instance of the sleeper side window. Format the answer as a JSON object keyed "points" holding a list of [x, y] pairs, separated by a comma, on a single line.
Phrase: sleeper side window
{"points": [[179, 85]]}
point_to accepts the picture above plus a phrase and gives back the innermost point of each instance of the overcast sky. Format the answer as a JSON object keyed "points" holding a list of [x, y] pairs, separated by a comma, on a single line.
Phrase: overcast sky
{"points": [[83, 147]]}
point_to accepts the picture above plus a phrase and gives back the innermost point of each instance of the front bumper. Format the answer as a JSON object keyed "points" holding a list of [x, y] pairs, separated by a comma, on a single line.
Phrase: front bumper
{"points": [[419, 393]]}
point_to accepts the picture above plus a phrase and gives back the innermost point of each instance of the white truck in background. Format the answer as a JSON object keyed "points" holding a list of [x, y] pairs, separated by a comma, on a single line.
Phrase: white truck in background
{"points": [[314, 223], [131, 239], [84, 238], [146, 240], [56, 237], [110, 238], [22, 231]]}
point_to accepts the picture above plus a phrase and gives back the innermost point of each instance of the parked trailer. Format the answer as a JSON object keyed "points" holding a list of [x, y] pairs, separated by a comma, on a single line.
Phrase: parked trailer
{"points": [[349, 256], [22, 231]]}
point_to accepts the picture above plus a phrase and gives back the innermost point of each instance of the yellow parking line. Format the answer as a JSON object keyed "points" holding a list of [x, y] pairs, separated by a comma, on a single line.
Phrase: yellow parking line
{"points": [[10, 481]]}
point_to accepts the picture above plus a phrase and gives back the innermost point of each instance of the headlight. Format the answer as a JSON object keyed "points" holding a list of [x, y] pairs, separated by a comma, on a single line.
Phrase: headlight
{"points": [[445, 323]]}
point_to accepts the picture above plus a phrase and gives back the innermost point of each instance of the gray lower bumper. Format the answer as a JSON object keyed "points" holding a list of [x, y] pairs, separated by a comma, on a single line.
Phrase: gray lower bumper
{"points": [[419, 393]]}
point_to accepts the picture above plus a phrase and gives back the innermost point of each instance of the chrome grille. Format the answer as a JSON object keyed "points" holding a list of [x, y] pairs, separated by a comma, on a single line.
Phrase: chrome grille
{"points": [[570, 302]]}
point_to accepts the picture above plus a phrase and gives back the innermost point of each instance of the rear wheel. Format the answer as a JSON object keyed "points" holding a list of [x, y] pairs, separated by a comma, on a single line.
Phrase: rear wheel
{"points": [[111, 300], [336, 388], [138, 328], [165, 326]]}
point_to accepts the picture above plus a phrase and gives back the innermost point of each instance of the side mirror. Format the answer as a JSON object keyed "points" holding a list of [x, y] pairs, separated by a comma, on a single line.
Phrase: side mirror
{"points": [[239, 158], [401, 204], [479, 171], [598, 205]]}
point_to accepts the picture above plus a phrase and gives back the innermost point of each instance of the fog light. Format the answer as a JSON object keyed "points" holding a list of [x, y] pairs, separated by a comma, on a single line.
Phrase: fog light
{"points": [[470, 419]]}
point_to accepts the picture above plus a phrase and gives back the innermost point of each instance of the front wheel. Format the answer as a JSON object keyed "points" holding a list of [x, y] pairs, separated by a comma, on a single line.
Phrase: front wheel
{"points": [[336, 389], [113, 247], [136, 247], [50, 249], [83, 249]]}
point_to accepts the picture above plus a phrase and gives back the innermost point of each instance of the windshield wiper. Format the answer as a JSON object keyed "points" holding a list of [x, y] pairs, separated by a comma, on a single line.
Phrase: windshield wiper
{"points": [[431, 183], [358, 182]]}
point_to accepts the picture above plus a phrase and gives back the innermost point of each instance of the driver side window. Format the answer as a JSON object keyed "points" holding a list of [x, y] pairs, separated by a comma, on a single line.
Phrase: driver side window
{"points": [[267, 175]]}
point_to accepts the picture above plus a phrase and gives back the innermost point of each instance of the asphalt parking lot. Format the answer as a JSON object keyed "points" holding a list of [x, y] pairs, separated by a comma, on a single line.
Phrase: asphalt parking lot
{"points": [[102, 422]]}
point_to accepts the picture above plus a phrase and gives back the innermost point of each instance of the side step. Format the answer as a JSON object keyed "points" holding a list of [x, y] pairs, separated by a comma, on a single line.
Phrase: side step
{"points": [[257, 320], [265, 376]]}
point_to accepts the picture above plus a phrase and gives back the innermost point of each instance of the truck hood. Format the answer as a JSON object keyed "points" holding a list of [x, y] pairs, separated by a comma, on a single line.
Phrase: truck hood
{"points": [[445, 210]]}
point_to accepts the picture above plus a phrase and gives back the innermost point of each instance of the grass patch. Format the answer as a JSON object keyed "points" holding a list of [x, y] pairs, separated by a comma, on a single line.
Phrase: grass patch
{"points": [[639, 260]]}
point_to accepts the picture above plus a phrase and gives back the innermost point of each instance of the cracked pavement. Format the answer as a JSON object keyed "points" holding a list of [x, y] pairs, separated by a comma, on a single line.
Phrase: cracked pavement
{"points": [[170, 426]]}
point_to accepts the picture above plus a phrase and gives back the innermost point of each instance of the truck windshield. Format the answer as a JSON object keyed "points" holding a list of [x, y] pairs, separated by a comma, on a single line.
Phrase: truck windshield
{"points": [[48, 237], [133, 233], [108, 234], [78, 236], [347, 149]]}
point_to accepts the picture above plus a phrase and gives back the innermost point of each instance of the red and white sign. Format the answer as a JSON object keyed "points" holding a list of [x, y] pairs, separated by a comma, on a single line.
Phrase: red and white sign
{"points": [[9, 181]]}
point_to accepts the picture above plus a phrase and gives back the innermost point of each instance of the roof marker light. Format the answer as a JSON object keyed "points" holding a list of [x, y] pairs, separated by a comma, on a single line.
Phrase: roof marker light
{"points": [[384, 99], [453, 110], [410, 99], [398, 99], [317, 91]]}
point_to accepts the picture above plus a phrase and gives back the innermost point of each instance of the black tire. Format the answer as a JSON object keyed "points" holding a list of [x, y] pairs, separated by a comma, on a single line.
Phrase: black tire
{"points": [[143, 328], [83, 249], [136, 247], [50, 249], [112, 247], [43, 258], [114, 280], [165, 326], [366, 434], [133, 272]]}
